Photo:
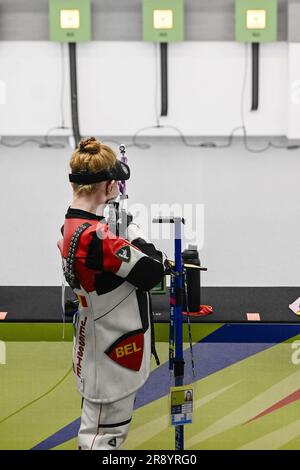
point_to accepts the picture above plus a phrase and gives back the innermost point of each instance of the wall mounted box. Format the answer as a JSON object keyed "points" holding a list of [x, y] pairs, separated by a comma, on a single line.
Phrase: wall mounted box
{"points": [[70, 20], [256, 20], [163, 20]]}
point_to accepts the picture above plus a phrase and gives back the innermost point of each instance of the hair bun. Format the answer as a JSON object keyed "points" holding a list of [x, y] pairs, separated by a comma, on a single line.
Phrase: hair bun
{"points": [[90, 145]]}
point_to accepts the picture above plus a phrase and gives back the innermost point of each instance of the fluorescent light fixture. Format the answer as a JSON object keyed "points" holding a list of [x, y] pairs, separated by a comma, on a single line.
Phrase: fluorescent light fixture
{"points": [[162, 19], [69, 19], [256, 19]]}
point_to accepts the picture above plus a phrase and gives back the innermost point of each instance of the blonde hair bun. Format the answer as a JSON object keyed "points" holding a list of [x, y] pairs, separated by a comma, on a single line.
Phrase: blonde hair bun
{"points": [[90, 145]]}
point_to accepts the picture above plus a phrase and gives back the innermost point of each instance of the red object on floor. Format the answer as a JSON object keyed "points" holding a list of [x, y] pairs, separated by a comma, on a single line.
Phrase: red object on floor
{"points": [[203, 310]]}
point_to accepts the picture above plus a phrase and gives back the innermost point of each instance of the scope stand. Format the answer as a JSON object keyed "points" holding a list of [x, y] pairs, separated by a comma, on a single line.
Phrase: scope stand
{"points": [[176, 361]]}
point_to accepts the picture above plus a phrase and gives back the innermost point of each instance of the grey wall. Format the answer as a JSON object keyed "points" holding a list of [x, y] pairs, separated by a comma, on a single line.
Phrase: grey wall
{"points": [[121, 20], [293, 22], [251, 204]]}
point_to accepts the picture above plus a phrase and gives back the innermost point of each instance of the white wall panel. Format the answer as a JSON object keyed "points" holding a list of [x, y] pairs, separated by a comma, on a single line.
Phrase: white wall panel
{"points": [[251, 206], [294, 91], [116, 83]]}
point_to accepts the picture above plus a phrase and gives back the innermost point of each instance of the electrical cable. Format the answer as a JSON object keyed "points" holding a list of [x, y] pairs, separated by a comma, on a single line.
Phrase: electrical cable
{"points": [[38, 398], [42, 144], [46, 142], [19, 144], [74, 94], [56, 145], [242, 108], [202, 144], [207, 143], [164, 78], [113, 141], [144, 145], [255, 76], [62, 125], [243, 120]]}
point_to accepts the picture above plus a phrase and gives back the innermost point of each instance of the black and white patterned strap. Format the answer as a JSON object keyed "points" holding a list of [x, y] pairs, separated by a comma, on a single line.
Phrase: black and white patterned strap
{"points": [[68, 266]]}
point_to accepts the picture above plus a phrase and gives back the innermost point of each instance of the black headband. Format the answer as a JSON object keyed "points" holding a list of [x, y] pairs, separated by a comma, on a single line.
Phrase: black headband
{"points": [[119, 172]]}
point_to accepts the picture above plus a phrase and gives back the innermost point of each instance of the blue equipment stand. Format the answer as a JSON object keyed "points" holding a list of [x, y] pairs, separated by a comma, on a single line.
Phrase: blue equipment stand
{"points": [[176, 361]]}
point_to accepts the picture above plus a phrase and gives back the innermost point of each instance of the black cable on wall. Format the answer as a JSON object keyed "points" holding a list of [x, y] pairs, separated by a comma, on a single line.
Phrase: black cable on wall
{"points": [[74, 96], [164, 78], [255, 76]]}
